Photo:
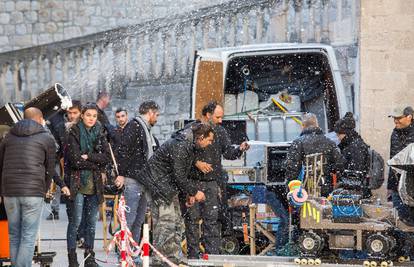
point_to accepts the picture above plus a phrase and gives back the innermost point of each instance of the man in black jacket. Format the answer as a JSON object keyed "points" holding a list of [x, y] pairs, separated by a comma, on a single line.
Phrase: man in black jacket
{"points": [[27, 165], [311, 141], [355, 152], [208, 171], [165, 176], [402, 135], [58, 127], [134, 145]]}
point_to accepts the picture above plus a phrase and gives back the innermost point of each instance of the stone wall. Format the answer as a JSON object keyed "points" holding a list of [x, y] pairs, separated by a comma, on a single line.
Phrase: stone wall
{"points": [[24, 23], [156, 57], [387, 69]]}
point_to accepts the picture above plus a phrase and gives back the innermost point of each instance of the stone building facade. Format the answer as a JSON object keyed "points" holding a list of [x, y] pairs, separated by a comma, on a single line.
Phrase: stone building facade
{"points": [[25, 23], [387, 69], [154, 59]]}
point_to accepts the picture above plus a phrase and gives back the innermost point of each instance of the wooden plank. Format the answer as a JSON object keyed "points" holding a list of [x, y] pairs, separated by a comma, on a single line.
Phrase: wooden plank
{"points": [[252, 215], [209, 85]]}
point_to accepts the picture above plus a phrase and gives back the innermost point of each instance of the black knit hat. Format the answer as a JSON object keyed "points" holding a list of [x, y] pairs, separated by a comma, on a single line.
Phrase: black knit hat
{"points": [[346, 124]]}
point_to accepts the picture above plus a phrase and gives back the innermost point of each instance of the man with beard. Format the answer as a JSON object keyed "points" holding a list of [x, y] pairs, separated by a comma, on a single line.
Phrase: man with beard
{"points": [[208, 172], [134, 145], [166, 175]]}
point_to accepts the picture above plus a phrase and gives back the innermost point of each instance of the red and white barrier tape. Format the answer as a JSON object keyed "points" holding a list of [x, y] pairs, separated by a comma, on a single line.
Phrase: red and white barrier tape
{"points": [[124, 241]]}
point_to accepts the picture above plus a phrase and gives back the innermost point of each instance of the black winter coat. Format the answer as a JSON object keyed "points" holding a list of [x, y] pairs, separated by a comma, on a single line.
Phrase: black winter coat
{"points": [[27, 160], [131, 149], [311, 141], [221, 146], [167, 172], [355, 152], [400, 138], [96, 162]]}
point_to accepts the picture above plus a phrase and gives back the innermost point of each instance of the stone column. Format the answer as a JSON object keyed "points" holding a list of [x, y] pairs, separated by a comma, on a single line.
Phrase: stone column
{"points": [[139, 55], [17, 82], [246, 22], [259, 24], [325, 21], [4, 91], [28, 90]]}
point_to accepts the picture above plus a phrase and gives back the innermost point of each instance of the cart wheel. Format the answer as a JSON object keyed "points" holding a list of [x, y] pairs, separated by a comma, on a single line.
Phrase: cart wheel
{"points": [[311, 262], [230, 245], [390, 263], [303, 262], [401, 259], [384, 264], [318, 262], [407, 258], [366, 264], [373, 264], [297, 261], [310, 243], [379, 245]]}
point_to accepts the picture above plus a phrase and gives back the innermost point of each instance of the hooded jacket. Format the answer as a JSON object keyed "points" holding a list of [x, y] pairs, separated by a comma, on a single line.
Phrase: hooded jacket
{"points": [[96, 162], [400, 138], [355, 152], [27, 160], [167, 172], [311, 141]]}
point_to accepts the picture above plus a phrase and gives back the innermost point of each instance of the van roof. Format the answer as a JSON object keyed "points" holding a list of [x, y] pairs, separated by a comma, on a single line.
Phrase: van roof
{"points": [[223, 53]]}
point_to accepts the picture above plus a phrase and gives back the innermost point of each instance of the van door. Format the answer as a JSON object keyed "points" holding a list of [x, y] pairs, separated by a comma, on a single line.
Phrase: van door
{"points": [[207, 85]]}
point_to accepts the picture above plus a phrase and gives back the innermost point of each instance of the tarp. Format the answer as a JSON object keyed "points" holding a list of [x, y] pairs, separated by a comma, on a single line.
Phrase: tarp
{"points": [[403, 163]]}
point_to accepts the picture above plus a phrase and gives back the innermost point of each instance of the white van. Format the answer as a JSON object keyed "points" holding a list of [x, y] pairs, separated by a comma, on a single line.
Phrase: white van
{"points": [[245, 79], [264, 90]]}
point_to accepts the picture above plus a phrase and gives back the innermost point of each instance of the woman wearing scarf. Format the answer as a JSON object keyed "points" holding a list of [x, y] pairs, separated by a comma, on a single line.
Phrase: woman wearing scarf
{"points": [[87, 156]]}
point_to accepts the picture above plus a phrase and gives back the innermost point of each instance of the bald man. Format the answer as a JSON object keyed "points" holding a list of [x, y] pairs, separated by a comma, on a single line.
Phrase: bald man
{"points": [[27, 164]]}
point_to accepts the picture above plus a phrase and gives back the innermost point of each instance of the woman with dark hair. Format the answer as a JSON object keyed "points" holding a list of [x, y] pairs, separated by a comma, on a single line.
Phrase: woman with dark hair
{"points": [[87, 157], [354, 150]]}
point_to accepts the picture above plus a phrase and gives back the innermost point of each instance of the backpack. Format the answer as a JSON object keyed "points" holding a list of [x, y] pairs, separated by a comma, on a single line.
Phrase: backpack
{"points": [[376, 169]]}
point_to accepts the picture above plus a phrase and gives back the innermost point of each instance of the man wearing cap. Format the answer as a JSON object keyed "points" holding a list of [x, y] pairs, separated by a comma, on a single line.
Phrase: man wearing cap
{"points": [[402, 135]]}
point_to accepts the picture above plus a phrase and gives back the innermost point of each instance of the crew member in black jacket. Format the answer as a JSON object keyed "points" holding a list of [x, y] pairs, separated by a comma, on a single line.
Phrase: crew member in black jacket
{"points": [[165, 176], [134, 145], [209, 173], [311, 141], [354, 150], [402, 135]]}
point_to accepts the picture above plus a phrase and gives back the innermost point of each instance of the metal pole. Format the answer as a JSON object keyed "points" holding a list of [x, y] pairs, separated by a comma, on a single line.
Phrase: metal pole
{"points": [[145, 246]]}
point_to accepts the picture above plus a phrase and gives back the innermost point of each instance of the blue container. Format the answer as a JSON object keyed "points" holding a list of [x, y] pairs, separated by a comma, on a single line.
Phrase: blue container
{"points": [[346, 206]]}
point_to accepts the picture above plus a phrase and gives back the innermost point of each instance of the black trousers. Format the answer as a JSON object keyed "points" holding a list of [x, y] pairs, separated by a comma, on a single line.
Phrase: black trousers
{"points": [[208, 212]]}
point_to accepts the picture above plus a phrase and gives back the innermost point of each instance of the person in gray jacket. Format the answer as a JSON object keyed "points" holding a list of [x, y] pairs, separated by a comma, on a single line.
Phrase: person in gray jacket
{"points": [[27, 166]]}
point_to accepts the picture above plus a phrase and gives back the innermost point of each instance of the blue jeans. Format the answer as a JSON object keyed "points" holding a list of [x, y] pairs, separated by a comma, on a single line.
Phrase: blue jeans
{"points": [[282, 234], [23, 215], [137, 202], [87, 206]]}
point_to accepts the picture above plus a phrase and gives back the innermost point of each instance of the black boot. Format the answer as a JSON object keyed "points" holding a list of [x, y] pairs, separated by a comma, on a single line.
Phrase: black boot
{"points": [[73, 258], [90, 258]]}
